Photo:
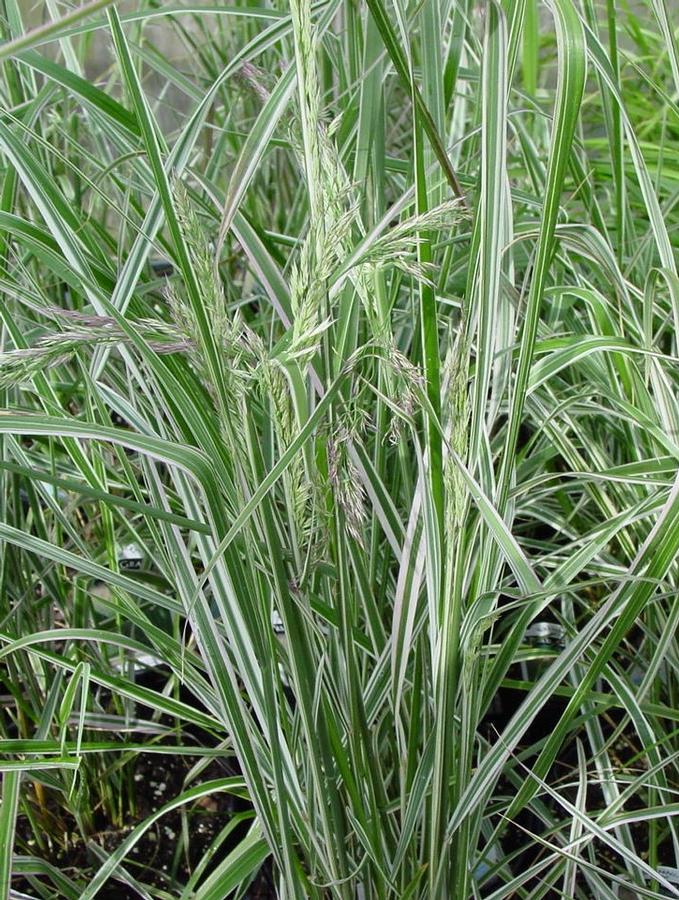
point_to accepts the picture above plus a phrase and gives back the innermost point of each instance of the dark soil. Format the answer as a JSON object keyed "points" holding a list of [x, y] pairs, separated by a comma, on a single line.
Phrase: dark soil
{"points": [[163, 857]]}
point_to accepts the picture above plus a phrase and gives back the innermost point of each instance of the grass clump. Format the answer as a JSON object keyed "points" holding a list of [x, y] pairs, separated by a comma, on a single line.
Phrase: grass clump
{"points": [[338, 449]]}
